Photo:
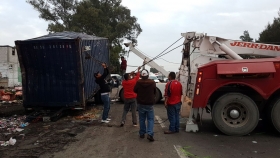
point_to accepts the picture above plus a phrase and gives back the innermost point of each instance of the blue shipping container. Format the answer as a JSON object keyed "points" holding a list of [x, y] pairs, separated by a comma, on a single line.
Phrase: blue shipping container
{"points": [[55, 72]]}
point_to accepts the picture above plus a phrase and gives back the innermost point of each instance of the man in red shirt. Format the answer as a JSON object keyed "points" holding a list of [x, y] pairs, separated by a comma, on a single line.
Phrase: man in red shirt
{"points": [[123, 66], [173, 94], [129, 96]]}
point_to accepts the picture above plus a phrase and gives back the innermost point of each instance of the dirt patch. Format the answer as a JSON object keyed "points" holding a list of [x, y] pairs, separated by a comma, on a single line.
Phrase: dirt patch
{"points": [[8, 109], [48, 137]]}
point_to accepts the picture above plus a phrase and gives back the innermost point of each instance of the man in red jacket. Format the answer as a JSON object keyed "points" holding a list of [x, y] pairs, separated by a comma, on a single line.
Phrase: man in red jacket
{"points": [[173, 94], [129, 96], [123, 66]]}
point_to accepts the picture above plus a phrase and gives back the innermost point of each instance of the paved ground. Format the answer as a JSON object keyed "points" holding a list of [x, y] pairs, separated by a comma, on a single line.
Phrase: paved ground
{"points": [[120, 142]]}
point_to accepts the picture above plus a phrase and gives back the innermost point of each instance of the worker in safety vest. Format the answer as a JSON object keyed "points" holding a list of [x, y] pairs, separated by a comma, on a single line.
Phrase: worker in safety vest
{"points": [[173, 94]]}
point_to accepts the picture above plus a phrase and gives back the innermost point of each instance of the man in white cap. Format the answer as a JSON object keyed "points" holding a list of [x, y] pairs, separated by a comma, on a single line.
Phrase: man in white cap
{"points": [[145, 89]]}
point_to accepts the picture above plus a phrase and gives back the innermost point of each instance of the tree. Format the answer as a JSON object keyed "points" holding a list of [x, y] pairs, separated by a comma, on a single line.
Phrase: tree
{"points": [[271, 33], [246, 36], [104, 18]]}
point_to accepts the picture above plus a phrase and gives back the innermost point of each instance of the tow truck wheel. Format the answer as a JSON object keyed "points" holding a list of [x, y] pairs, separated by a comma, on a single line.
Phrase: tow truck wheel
{"points": [[274, 114], [235, 114]]}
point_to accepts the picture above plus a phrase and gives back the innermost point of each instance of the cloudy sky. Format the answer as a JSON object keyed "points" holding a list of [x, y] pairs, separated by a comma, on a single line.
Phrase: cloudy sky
{"points": [[162, 22]]}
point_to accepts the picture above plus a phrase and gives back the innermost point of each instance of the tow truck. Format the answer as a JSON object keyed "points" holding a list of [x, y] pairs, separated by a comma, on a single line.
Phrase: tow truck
{"points": [[237, 81]]}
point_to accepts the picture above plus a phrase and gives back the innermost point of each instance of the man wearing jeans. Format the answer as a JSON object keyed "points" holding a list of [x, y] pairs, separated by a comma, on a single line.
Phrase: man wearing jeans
{"points": [[173, 94], [146, 90], [129, 96], [104, 90]]}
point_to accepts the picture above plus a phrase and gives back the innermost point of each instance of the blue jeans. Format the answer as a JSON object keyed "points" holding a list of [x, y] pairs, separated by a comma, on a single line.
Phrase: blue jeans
{"points": [[106, 108], [173, 112], [146, 112]]}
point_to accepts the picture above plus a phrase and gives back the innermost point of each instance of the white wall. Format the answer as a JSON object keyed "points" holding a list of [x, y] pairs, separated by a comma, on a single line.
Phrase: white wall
{"points": [[9, 65]]}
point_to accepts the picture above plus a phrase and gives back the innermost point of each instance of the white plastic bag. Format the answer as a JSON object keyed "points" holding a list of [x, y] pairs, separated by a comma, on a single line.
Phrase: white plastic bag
{"points": [[12, 141]]}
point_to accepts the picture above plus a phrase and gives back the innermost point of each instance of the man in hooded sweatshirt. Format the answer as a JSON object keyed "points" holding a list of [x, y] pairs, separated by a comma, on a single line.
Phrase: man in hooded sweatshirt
{"points": [[146, 91], [104, 90]]}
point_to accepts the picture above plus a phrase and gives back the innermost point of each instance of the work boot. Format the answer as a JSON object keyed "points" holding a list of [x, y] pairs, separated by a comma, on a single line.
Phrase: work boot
{"points": [[122, 124], [142, 136], [150, 138]]}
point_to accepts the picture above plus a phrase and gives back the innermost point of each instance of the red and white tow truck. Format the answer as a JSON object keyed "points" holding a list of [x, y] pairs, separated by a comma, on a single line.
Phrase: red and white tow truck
{"points": [[238, 82]]}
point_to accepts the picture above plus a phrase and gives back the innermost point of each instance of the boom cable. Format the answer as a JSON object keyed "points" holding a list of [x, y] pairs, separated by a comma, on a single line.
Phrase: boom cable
{"points": [[162, 53], [158, 58]]}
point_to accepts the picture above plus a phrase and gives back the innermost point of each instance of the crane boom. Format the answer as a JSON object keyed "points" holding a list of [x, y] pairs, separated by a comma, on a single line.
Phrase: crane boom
{"points": [[146, 59], [220, 46]]}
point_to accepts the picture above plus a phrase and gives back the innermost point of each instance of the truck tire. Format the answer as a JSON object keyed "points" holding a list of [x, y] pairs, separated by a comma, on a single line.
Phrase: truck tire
{"points": [[235, 114], [121, 95], [158, 96], [273, 114]]}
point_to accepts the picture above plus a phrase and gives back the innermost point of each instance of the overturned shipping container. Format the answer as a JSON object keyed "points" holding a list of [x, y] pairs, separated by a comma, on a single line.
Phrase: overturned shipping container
{"points": [[55, 72]]}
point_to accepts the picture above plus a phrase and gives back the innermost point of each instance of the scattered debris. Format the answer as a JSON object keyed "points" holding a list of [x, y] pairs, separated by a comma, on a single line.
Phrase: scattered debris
{"points": [[92, 114], [10, 142], [10, 95], [13, 124], [255, 142], [215, 135], [72, 134]]}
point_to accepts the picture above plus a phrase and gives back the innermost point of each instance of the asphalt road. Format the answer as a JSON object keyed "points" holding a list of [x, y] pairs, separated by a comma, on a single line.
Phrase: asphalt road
{"points": [[100, 140]]}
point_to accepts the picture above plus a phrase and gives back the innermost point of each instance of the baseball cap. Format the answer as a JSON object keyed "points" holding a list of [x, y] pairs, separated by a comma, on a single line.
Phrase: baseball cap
{"points": [[144, 72]]}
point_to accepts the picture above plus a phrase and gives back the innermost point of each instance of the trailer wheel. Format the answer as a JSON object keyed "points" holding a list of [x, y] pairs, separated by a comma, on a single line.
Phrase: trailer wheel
{"points": [[274, 116], [235, 114]]}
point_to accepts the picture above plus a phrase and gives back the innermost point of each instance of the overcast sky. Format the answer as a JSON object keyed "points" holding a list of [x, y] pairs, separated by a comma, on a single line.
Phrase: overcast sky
{"points": [[162, 22]]}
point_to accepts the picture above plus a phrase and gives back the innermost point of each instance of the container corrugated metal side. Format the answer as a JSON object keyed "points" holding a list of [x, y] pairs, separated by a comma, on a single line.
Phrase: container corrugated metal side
{"points": [[99, 51], [55, 72]]}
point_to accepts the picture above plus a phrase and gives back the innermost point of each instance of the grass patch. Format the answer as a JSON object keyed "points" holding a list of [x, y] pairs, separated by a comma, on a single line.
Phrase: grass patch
{"points": [[189, 154]]}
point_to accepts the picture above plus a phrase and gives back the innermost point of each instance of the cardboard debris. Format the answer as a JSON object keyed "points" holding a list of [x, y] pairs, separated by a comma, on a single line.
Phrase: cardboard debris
{"points": [[89, 115], [186, 106]]}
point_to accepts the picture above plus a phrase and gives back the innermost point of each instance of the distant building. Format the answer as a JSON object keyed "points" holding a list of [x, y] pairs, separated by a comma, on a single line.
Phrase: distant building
{"points": [[10, 74]]}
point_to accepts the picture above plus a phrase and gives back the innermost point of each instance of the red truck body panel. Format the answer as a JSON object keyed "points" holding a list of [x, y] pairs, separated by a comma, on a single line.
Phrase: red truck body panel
{"points": [[211, 78]]}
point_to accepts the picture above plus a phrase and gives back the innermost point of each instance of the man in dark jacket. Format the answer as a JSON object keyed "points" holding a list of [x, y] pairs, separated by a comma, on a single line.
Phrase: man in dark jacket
{"points": [[104, 90], [146, 90]]}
